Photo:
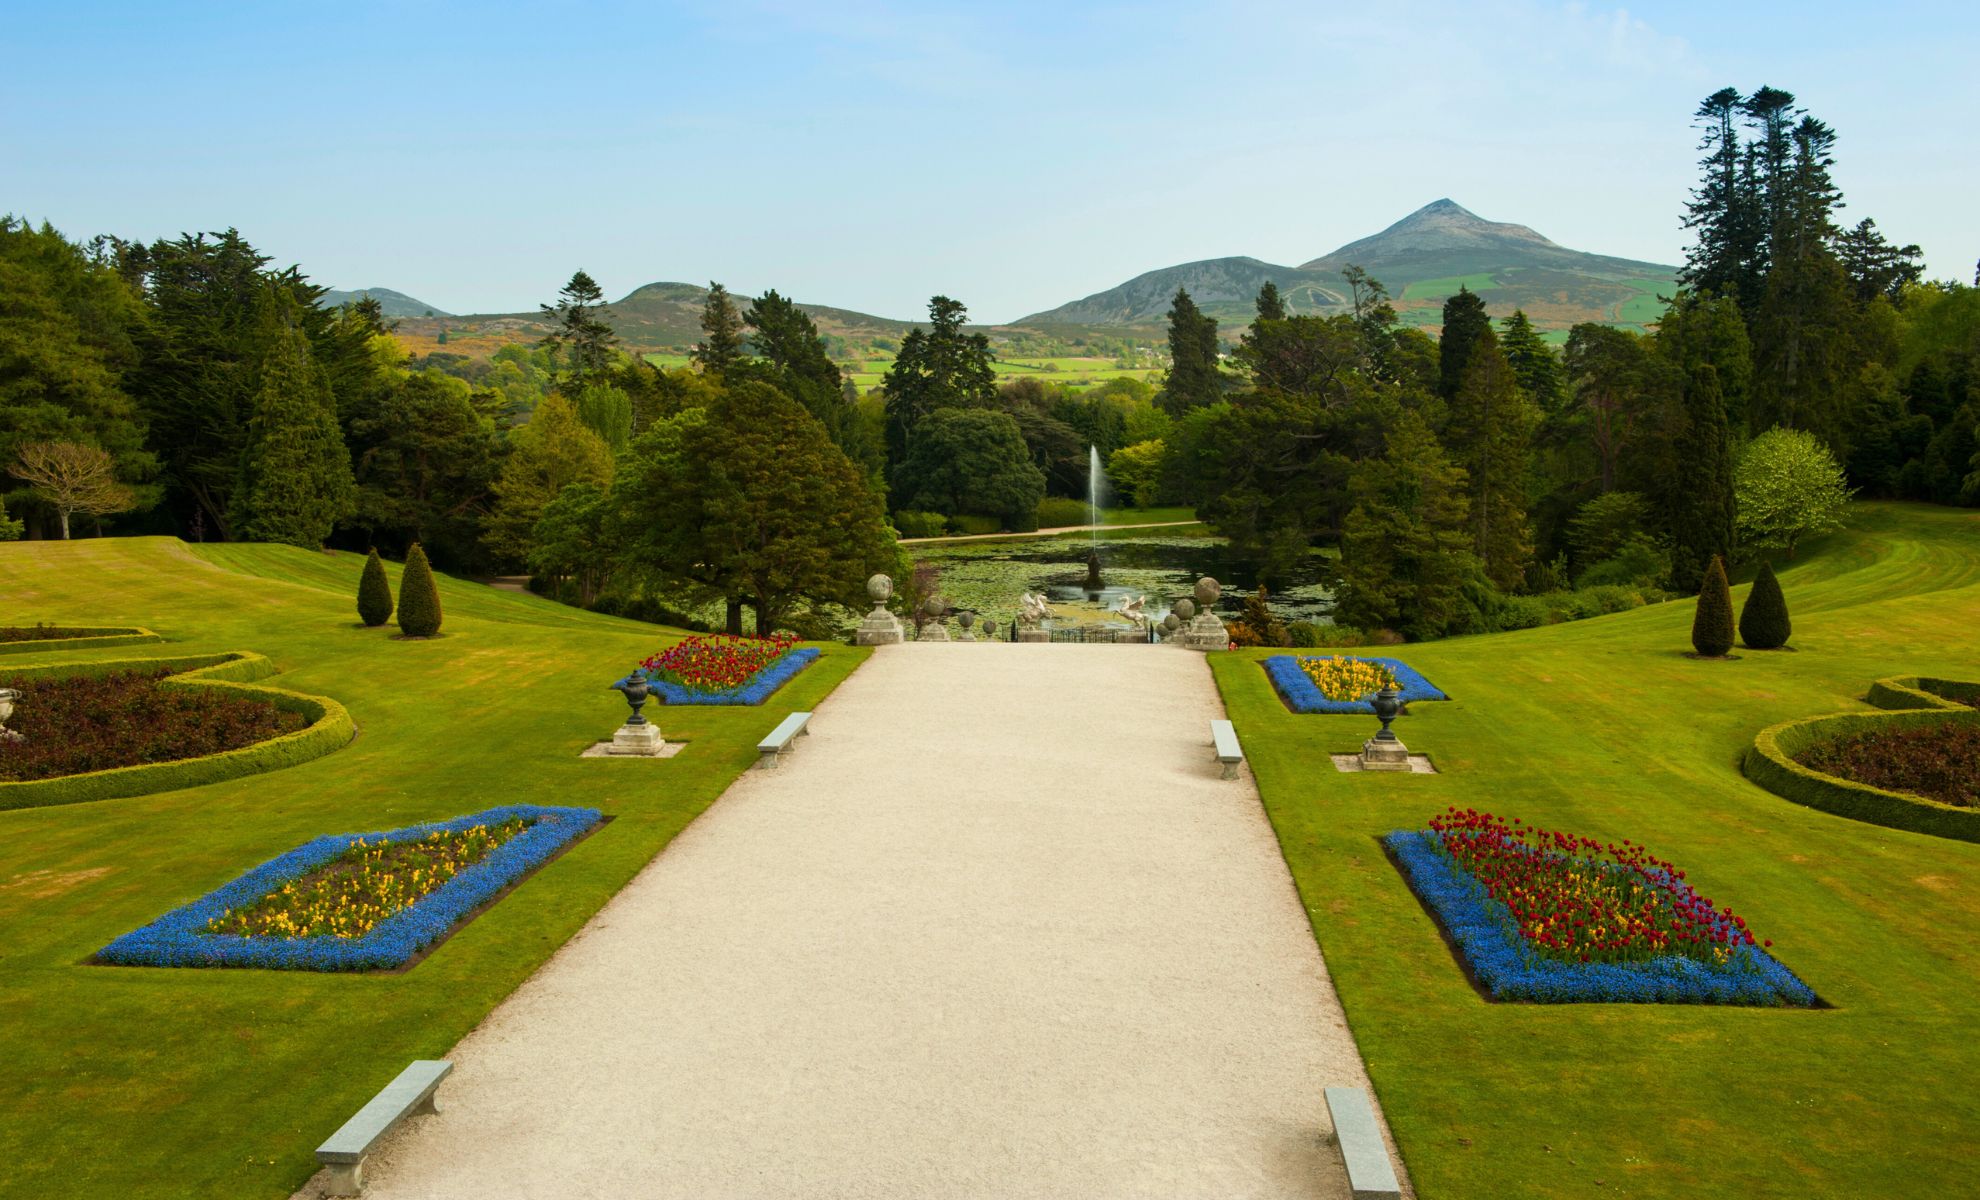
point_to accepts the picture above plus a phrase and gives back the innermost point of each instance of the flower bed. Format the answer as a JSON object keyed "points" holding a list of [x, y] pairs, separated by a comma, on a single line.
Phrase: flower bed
{"points": [[1940, 762], [1557, 919], [719, 669], [187, 937], [68, 725], [1293, 676]]}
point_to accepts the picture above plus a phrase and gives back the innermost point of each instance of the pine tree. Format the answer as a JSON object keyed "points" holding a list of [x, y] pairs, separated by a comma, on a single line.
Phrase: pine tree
{"points": [[1701, 520], [1270, 306], [374, 599], [1464, 323], [419, 598], [1405, 553], [1536, 364], [1763, 622], [1194, 380], [1712, 624], [721, 332], [1490, 436], [936, 368], [580, 333], [295, 481], [1724, 209]]}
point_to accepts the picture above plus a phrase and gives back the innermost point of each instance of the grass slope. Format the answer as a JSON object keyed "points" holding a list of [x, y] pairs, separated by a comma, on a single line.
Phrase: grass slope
{"points": [[124, 1082], [1603, 727]]}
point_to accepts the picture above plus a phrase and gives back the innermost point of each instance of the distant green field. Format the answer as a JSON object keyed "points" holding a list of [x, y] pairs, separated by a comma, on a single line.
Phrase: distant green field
{"points": [[1428, 288], [1644, 308]]}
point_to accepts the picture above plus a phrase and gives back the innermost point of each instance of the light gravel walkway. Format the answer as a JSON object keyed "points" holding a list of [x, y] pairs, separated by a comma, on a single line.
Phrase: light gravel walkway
{"points": [[995, 929]]}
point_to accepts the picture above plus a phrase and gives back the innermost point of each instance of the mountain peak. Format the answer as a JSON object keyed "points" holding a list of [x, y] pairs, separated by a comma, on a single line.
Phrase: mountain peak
{"points": [[1440, 227]]}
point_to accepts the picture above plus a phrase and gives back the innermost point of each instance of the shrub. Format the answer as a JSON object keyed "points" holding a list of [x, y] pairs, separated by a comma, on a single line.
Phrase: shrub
{"points": [[1712, 624], [419, 598], [1054, 511], [1763, 623], [1637, 563], [1313, 635], [920, 524], [374, 593], [1258, 626], [968, 523]]}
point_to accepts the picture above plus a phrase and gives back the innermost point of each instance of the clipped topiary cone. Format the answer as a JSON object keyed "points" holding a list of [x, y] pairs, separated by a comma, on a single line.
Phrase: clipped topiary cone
{"points": [[374, 593], [419, 599], [1712, 626], [1763, 623]]}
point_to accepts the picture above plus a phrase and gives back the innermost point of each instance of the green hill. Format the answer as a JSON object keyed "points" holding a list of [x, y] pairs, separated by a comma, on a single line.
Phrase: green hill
{"points": [[392, 304]]}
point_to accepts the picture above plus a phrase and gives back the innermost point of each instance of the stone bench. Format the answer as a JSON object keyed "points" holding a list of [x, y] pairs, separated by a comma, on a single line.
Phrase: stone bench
{"points": [[1360, 1140], [1224, 736], [772, 748], [345, 1150]]}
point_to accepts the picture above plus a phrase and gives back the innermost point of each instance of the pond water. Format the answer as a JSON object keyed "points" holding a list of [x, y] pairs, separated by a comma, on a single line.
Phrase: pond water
{"points": [[987, 576]]}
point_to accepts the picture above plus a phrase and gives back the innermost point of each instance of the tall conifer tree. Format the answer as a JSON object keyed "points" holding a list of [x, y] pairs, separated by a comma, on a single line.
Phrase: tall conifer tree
{"points": [[1490, 436], [1270, 306], [1194, 379], [1701, 522], [296, 471], [579, 332], [1465, 323], [721, 332], [1535, 363]]}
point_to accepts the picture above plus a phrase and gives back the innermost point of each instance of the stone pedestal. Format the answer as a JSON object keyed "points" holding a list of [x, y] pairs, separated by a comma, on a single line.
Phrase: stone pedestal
{"points": [[1378, 754], [934, 631], [1034, 635], [1206, 632], [879, 628], [643, 738]]}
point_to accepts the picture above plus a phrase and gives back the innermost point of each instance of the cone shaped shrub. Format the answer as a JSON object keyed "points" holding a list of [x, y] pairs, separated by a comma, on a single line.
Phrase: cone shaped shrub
{"points": [[1712, 627], [1763, 623], [419, 600], [374, 593]]}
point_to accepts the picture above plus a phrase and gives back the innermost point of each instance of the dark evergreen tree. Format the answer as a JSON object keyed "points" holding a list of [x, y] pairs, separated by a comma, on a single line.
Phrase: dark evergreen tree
{"points": [[419, 596], [1725, 261], [721, 345], [1405, 552], [580, 334], [295, 482], [937, 368], [794, 361], [1763, 622], [1712, 623], [1535, 363], [374, 598], [1875, 267], [1701, 498], [1194, 380], [1270, 306], [1465, 323], [1490, 436]]}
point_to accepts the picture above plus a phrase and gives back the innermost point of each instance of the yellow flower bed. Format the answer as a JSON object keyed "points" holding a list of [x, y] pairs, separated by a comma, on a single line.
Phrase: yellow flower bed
{"points": [[1344, 678], [349, 895]]}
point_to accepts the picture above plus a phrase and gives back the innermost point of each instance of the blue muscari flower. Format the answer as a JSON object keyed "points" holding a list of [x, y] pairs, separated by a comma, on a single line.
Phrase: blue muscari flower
{"points": [[1304, 696], [759, 688], [1488, 937], [179, 938]]}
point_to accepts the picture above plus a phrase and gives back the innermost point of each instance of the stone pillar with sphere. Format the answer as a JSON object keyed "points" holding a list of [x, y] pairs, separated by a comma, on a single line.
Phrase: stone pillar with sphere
{"points": [[1204, 630], [880, 627]]}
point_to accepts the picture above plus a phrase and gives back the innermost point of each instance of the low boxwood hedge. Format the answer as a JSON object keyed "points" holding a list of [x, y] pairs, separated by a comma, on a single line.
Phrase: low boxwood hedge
{"points": [[1910, 702], [329, 728], [88, 639]]}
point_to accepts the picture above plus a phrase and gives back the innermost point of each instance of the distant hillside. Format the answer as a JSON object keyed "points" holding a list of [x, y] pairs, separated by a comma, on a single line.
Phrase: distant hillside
{"points": [[394, 304], [1422, 260]]}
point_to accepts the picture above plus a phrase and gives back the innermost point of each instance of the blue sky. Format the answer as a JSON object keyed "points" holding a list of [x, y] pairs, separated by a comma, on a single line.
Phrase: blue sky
{"points": [[868, 154]]}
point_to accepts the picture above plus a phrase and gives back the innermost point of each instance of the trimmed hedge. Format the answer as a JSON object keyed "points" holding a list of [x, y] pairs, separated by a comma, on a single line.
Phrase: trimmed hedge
{"points": [[374, 597], [1770, 761], [1764, 622], [330, 728], [419, 598], [1712, 622], [94, 639]]}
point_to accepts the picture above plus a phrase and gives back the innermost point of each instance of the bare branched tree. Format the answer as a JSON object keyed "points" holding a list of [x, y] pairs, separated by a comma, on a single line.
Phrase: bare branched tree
{"points": [[74, 478]]}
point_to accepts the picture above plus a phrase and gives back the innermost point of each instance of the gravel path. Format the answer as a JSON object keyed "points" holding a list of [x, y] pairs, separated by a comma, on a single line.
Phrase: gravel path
{"points": [[995, 929]]}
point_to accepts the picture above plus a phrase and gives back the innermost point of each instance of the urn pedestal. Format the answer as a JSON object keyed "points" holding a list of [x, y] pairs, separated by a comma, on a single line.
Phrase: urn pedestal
{"points": [[880, 627]]}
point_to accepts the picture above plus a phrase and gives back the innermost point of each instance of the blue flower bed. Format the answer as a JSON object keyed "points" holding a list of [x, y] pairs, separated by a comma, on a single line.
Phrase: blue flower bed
{"points": [[178, 939], [1489, 940], [1303, 697], [761, 686]]}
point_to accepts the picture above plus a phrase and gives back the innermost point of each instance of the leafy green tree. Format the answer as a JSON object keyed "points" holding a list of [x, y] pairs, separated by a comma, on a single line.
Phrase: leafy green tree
{"points": [[1270, 306], [937, 368], [606, 410], [374, 597], [721, 345], [295, 482], [1604, 525], [1193, 379], [1465, 325], [572, 541], [1489, 434], [972, 461], [1702, 500], [547, 455], [579, 332], [1136, 472], [72, 478], [419, 596], [1405, 548], [1763, 622], [749, 500], [428, 468], [1712, 621], [1788, 487], [10, 529], [1303, 356], [1534, 362]]}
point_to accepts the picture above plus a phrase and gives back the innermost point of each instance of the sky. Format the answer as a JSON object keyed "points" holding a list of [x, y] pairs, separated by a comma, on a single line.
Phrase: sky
{"points": [[868, 154]]}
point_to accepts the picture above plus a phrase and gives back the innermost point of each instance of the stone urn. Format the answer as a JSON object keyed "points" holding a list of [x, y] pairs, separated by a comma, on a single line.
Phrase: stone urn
{"points": [[1385, 751], [638, 735], [880, 627]]}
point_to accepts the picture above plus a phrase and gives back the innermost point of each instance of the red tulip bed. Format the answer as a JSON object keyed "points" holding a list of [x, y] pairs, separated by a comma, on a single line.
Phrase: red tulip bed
{"points": [[1556, 918], [720, 669]]}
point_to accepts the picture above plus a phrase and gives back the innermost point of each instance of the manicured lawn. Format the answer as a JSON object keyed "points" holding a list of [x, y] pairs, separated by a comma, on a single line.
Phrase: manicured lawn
{"points": [[127, 1082], [1604, 728]]}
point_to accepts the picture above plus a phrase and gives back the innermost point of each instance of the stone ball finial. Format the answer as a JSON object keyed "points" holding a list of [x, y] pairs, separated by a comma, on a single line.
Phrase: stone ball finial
{"points": [[966, 618], [880, 587], [989, 629], [1185, 608], [1207, 591], [1171, 623], [933, 607]]}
